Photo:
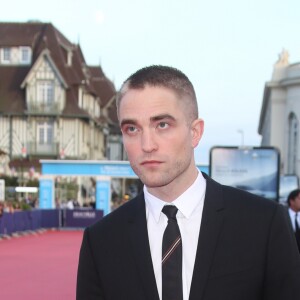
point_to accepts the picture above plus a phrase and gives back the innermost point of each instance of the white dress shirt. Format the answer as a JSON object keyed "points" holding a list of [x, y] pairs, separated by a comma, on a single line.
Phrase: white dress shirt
{"points": [[292, 214], [190, 207]]}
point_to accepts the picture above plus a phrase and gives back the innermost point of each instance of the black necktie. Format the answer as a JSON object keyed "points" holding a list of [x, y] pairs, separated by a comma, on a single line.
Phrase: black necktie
{"points": [[171, 257]]}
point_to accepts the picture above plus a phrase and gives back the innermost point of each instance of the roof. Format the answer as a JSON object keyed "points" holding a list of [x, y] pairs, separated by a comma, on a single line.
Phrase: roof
{"points": [[12, 97], [40, 36], [107, 92]]}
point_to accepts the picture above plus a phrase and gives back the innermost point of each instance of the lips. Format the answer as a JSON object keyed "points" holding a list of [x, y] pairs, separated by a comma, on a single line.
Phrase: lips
{"points": [[150, 162]]}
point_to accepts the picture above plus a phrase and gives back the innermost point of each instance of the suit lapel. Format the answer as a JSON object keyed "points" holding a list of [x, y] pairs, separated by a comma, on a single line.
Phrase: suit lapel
{"points": [[140, 248], [211, 224]]}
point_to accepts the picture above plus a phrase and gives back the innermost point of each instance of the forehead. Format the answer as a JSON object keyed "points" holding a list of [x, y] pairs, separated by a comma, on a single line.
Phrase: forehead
{"points": [[154, 99]]}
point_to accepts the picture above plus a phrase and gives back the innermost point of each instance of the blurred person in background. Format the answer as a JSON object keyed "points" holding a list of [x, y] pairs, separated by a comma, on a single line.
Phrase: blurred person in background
{"points": [[293, 201]]}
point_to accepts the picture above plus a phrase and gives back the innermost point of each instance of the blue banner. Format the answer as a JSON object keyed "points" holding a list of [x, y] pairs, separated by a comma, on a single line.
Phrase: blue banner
{"points": [[103, 195], [46, 193]]}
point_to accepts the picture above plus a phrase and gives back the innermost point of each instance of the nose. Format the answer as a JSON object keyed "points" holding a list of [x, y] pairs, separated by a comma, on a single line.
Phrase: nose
{"points": [[149, 143]]}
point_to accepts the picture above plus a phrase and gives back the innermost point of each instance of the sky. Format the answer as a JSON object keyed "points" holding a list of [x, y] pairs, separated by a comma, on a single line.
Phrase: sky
{"points": [[226, 48]]}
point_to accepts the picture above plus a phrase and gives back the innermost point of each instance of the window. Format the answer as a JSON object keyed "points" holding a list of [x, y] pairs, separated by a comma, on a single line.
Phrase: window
{"points": [[6, 53], [45, 144], [45, 93], [45, 133], [25, 55], [293, 143]]}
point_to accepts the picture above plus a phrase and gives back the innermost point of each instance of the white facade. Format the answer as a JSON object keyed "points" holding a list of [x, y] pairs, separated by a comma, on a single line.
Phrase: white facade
{"points": [[280, 114]]}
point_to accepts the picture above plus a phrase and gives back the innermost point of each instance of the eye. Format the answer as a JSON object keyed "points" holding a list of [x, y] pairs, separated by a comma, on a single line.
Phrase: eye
{"points": [[163, 125], [130, 129]]}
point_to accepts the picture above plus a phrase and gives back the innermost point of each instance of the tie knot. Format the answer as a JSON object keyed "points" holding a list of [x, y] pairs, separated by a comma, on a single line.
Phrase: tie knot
{"points": [[170, 211]]}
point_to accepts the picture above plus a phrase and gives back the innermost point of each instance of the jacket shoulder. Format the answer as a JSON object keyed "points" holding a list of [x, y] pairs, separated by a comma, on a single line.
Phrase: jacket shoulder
{"points": [[119, 217]]}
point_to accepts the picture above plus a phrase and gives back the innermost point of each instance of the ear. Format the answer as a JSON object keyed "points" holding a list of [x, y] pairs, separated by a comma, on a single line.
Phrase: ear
{"points": [[197, 128]]}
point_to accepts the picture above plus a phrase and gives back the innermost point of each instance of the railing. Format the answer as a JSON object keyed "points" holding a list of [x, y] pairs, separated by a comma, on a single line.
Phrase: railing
{"points": [[43, 108], [42, 149]]}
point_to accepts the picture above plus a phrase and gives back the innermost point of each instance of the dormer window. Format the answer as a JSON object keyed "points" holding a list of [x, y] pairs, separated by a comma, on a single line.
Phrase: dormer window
{"points": [[45, 93], [6, 55], [15, 55], [25, 55]]}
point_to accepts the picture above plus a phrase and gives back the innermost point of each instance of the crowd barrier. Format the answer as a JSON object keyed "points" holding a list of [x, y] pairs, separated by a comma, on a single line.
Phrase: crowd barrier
{"points": [[19, 221]]}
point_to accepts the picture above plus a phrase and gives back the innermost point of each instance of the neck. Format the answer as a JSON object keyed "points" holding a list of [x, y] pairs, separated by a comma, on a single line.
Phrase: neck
{"points": [[294, 210], [177, 187]]}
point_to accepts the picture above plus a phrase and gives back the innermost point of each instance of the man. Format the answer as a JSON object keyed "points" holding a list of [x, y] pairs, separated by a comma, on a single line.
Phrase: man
{"points": [[294, 213], [229, 244]]}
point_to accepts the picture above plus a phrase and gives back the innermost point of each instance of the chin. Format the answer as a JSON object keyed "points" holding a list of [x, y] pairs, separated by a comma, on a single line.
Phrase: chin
{"points": [[155, 183]]}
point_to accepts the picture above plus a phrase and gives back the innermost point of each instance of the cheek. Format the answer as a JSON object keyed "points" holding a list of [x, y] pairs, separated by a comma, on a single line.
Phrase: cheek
{"points": [[183, 140], [130, 147], [177, 147]]}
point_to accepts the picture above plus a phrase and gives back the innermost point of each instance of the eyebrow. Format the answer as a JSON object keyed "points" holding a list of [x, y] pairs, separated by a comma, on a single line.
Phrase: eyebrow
{"points": [[162, 117], [152, 119], [127, 121]]}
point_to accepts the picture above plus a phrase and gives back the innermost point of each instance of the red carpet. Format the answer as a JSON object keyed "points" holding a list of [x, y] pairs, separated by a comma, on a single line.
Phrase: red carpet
{"points": [[40, 267]]}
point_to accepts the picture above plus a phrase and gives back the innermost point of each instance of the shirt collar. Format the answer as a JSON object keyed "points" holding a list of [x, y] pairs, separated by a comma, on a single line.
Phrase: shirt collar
{"points": [[293, 213], [186, 202]]}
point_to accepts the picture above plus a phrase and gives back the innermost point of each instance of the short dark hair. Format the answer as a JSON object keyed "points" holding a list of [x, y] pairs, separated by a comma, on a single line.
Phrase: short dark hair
{"points": [[293, 194], [161, 76]]}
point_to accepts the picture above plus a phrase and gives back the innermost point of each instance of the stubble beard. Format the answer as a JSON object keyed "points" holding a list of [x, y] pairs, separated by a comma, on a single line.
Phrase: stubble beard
{"points": [[159, 178]]}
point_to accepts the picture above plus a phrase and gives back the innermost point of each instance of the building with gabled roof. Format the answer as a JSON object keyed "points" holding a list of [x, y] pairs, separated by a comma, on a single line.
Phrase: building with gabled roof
{"points": [[52, 104]]}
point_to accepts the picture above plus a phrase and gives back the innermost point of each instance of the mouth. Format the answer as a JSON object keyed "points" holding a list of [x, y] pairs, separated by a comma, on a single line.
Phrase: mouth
{"points": [[151, 163]]}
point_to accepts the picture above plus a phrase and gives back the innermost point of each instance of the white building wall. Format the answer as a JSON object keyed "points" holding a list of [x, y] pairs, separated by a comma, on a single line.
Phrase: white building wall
{"points": [[292, 106], [79, 138], [266, 127], [19, 135], [277, 117], [67, 137], [4, 134]]}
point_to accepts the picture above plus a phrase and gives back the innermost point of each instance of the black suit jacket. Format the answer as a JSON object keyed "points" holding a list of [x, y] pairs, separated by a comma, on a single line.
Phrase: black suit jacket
{"points": [[296, 233], [246, 251]]}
